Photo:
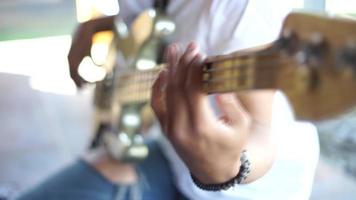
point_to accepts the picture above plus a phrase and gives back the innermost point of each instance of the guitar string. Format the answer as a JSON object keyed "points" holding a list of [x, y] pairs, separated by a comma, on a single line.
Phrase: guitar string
{"points": [[218, 84], [145, 78], [150, 76], [216, 59], [222, 81], [237, 55], [128, 88], [130, 73]]}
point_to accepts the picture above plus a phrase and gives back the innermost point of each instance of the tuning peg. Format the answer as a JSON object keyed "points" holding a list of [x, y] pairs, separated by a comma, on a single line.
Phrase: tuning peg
{"points": [[288, 42], [312, 54], [347, 57]]}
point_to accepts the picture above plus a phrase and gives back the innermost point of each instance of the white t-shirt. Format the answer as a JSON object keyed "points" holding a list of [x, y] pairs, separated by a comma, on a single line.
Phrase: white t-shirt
{"points": [[220, 27]]}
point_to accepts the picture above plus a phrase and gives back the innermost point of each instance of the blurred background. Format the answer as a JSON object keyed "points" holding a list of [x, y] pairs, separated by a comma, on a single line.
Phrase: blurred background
{"points": [[45, 121]]}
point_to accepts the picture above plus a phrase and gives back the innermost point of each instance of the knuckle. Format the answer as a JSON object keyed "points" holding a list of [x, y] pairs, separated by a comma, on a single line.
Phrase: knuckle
{"points": [[246, 120], [184, 60], [170, 129], [174, 87], [155, 87], [173, 134], [200, 129], [186, 87], [155, 101], [177, 87], [176, 137], [153, 104]]}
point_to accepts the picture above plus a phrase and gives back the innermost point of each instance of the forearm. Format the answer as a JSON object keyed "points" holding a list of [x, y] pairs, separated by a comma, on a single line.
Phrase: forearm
{"points": [[260, 147], [261, 151]]}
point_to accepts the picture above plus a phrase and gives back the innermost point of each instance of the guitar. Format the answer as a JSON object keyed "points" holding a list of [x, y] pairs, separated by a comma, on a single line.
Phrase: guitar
{"points": [[313, 62], [119, 123]]}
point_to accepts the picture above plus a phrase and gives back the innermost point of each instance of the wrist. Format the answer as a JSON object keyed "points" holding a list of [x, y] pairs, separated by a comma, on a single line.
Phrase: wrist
{"points": [[218, 175], [215, 184]]}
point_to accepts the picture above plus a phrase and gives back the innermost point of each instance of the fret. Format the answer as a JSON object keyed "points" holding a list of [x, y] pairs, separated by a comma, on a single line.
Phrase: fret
{"points": [[228, 75], [135, 97], [266, 73], [135, 86], [241, 72]]}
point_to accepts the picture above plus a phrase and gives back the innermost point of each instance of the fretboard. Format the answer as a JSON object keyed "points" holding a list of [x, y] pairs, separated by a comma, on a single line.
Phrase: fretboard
{"points": [[232, 73], [135, 86], [237, 73]]}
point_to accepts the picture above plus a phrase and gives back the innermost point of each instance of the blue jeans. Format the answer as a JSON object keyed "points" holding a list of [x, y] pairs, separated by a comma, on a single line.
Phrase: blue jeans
{"points": [[82, 181]]}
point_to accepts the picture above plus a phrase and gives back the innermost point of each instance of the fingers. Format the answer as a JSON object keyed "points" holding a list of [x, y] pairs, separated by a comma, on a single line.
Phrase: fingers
{"points": [[175, 103], [158, 98], [173, 54], [186, 103], [199, 107], [194, 75], [80, 47], [185, 63], [233, 110]]}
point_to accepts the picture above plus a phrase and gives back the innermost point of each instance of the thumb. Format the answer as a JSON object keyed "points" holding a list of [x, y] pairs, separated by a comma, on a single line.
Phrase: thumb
{"points": [[158, 103], [232, 109]]}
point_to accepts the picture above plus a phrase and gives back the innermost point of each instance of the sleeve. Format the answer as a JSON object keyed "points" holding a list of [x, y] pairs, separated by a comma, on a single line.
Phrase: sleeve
{"points": [[129, 9]]}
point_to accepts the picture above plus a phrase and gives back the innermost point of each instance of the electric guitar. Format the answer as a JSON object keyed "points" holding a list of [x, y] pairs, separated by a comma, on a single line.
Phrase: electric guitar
{"points": [[313, 62]]}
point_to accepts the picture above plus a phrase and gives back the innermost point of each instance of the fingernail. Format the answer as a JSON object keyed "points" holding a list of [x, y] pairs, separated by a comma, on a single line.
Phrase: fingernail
{"points": [[192, 46], [174, 47], [199, 56], [167, 54], [163, 73], [226, 97]]}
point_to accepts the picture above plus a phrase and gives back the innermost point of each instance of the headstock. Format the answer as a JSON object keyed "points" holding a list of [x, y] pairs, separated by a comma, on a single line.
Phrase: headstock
{"points": [[313, 62], [319, 75]]}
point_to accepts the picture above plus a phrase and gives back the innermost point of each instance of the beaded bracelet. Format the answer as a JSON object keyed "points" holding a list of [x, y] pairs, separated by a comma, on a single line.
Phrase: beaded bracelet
{"points": [[239, 178]]}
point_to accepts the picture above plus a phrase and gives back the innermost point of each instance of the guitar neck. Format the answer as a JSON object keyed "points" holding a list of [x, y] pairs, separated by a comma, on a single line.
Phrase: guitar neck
{"points": [[135, 86], [312, 62], [242, 71], [235, 72]]}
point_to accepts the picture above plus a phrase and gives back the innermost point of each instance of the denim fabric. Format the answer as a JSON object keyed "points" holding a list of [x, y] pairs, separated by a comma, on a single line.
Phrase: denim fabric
{"points": [[81, 181]]}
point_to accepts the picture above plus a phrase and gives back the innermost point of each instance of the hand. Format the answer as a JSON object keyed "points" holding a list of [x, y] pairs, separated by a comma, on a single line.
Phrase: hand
{"points": [[209, 146], [82, 42]]}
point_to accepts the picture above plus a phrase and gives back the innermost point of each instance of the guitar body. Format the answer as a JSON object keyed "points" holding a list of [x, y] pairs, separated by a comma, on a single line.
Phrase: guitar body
{"points": [[121, 111]]}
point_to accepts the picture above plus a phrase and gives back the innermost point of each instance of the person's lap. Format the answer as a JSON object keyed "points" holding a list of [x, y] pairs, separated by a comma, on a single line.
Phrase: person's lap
{"points": [[82, 181]]}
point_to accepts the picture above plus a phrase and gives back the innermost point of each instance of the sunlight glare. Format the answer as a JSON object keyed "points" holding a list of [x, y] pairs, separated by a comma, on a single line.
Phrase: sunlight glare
{"points": [[43, 60], [91, 72]]}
